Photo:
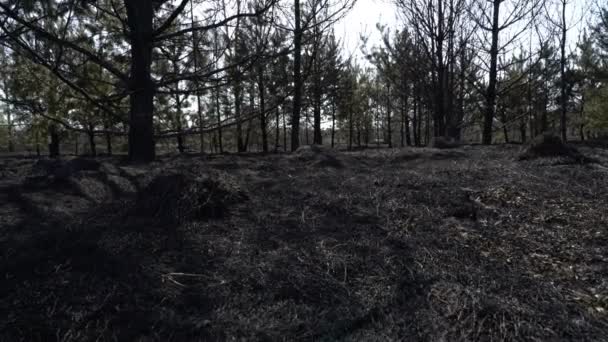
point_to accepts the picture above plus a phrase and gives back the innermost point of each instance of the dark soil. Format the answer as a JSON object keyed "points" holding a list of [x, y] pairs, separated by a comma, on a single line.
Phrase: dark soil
{"points": [[468, 244], [444, 142], [551, 146]]}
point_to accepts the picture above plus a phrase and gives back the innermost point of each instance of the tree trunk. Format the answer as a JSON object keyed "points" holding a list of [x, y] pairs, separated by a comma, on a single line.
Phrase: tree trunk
{"points": [[218, 113], [564, 100], [9, 125], [37, 139], [237, 114], [277, 134], [317, 135], [459, 116], [333, 124], [92, 146], [108, 139], [140, 14], [522, 129], [306, 122], [389, 129], [378, 123], [544, 120], [491, 92], [416, 119], [297, 79], [505, 129], [247, 135], [178, 113], [406, 121], [218, 109], [440, 86], [54, 144], [402, 127], [582, 125], [427, 136], [199, 109], [201, 124], [350, 130], [263, 123], [180, 143], [284, 133]]}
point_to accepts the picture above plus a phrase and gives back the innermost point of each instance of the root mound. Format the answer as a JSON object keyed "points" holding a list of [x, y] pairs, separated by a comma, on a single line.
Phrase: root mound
{"points": [[62, 169], [179, 198], [320, 156], [444, 142], [551, 146]]}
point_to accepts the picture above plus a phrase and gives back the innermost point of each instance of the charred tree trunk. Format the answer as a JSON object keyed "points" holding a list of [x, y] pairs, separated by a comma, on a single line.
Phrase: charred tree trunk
{"points": [[505, 129], [178, 114], [37, 141], [54, 144], [250, 121], [218, 109], [522, 129], [91, 136], [218, 113], [277, 134], [350, 130], [263, 124], [248, 135], [564, 100], [297, 79], [581, 127], [440, 86], [459, 114], [180, 140], [140, 14], [317, 135], [306, 123], [284, 133], [389, 129], [416, 119], [108, 139], [491, 91], [402, 126], [237, 114], [199, 105], [9, 125], [406, 121], [333, 124]]}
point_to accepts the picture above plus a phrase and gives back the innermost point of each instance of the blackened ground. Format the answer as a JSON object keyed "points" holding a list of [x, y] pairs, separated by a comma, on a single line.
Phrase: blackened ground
{"points": [[405, 244]]}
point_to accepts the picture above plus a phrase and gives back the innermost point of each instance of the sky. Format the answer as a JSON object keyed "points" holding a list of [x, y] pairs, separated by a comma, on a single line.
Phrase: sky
{"points": [[364, 16], [362, 19]]}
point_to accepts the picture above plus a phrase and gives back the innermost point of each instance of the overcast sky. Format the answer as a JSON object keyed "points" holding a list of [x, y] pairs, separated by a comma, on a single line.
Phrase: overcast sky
{"points": [[362, 19]]}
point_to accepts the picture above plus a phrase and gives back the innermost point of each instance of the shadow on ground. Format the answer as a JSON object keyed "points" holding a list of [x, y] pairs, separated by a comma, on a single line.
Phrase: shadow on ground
{"points": [[466, 244]]}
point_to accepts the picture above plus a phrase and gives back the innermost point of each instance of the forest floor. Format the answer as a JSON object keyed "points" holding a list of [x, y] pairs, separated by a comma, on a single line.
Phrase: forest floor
{"points": [[375, 245]]}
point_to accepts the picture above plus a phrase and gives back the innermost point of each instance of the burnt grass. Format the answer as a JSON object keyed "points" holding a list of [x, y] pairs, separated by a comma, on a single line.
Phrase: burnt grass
{"points": [[466, 244]]}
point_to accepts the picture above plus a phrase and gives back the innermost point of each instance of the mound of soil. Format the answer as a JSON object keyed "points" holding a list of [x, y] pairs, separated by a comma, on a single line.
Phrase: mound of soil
{"points": [[475, 247], [551, 146], [64, 188], [319, 156], [179, 198], [63, 169], [407, 155], [444, 142]]}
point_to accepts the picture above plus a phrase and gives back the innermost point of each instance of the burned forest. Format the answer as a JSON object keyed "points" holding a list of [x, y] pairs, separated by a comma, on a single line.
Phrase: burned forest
{"points": [[320, 170]]}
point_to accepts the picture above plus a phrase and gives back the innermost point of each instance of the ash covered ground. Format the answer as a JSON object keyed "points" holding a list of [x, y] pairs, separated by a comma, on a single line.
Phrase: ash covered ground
{"points": [[465, 244]]}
